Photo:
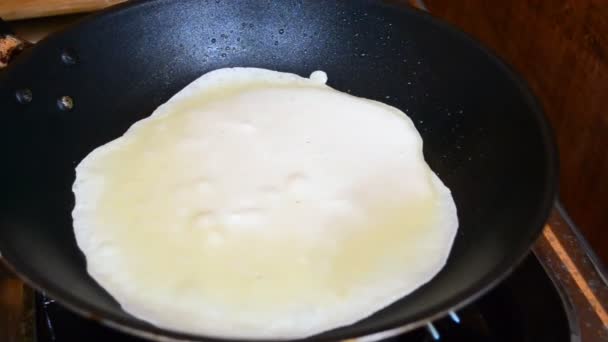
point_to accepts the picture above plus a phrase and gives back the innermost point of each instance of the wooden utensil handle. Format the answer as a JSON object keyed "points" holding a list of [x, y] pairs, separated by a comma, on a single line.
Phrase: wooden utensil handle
{"points": [[22, 9], [10, 45]]}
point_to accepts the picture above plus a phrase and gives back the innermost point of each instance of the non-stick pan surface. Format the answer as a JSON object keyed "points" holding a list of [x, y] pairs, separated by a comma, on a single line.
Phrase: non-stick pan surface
{"points": [[484, 133]]}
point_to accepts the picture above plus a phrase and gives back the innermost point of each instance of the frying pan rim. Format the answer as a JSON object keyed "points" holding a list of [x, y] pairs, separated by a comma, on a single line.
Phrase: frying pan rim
{"points": [[498, 273]]}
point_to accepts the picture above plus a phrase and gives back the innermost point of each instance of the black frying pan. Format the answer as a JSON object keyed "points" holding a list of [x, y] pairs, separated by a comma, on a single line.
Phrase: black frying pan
{"points": [[484, 133]]}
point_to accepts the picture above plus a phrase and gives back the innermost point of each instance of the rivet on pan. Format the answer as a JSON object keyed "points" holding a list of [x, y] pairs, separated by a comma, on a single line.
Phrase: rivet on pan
{"points": [[65, 103], [23, 96], [68, 57]]}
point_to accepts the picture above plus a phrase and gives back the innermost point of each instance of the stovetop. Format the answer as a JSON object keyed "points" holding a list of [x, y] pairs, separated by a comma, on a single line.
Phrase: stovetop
{"points": [[557, 294], [525, 307]]}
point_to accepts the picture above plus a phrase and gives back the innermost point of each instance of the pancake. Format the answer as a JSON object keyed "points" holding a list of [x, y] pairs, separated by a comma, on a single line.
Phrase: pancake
{"points": [[260, 204]]}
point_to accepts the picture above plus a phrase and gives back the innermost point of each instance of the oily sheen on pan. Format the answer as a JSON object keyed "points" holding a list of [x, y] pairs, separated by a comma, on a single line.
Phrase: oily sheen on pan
{"points": [[261, 204]]}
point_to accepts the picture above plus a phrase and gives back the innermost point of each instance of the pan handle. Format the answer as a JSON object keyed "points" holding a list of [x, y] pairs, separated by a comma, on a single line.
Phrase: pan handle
{"points": [[10, 45]]}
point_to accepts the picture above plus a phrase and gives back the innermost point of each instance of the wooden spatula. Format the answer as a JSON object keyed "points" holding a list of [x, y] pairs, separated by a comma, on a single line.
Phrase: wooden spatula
{"points": [[23, 9]]}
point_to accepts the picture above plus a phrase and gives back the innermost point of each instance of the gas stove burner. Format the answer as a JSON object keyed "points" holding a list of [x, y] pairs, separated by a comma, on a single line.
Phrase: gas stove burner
{"points": [[524, 307]]}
